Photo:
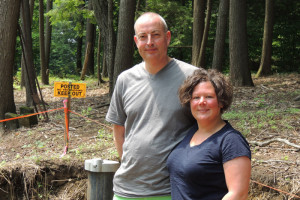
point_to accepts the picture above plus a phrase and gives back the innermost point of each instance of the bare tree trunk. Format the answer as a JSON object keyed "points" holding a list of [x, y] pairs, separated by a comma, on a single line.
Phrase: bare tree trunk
{"points": [[99, 67], [111, 47], [48, 39], [86, 61], [104, 66], [23, 72], [266, 54], [90, 38], [104, 16], [201, 61], [219, 47], [9, 14], [30, 75], [198, 29], [79, 40], [125, 48], [238, 49], [42, 44]]}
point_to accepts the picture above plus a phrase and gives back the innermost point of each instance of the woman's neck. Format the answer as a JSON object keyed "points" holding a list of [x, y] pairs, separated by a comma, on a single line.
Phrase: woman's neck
{"points": [[210, 127]]}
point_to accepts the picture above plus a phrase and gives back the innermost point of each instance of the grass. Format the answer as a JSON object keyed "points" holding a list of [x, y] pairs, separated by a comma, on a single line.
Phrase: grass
{"points": [[268, 118]]}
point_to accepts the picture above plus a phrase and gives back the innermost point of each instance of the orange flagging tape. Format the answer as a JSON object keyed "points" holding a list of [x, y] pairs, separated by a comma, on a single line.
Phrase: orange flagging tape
{"points": [[91, 120], [276, 189], [23, 116]]}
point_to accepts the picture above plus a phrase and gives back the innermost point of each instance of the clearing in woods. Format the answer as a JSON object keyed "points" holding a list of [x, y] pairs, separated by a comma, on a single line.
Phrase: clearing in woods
{"points": [[31, 166]]}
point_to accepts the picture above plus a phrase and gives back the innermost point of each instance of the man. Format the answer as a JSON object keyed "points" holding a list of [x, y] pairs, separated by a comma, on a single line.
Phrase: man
{"points": [[147, 117]]}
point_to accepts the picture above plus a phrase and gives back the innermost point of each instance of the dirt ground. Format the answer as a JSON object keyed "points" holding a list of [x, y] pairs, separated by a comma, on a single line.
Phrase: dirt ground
{"points": [[32, 165]]}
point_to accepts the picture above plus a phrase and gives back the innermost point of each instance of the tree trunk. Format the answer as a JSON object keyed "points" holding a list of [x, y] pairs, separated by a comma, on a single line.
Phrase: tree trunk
{"points": [[266, 54], [112, 47], [239, 71], [30, 75], [23, 72], [79, 40], [219, 47], [104, 16], [125, 48], [48, 40], [86, 61], [104, 66], [99, 67], [198, 29], [9, 14], [90, 39], [42, 44], [201, 60]]}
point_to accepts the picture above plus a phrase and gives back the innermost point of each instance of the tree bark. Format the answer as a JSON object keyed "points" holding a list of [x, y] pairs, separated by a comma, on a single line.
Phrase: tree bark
{"points": [[23, 72], [219, 47], [90, 39], [30, 75], [198, 29], [79, 40], [104, 66], [48, 40], [125, 43], [9, 14], [42, 44], [266, 54], [86, 61], [201, 60], [99, 67], [238, 50], [104, 16], [111, 47]]}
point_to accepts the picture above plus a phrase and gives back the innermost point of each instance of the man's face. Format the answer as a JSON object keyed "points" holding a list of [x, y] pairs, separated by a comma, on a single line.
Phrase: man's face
{"points": [[151, 39]]}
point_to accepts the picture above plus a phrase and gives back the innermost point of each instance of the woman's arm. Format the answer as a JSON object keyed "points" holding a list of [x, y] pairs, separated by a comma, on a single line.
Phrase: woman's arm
{"points": [[237, 175]]}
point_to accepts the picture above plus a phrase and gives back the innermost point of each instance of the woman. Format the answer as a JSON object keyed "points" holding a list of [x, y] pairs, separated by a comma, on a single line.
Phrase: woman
{"points": [[213, 161]]}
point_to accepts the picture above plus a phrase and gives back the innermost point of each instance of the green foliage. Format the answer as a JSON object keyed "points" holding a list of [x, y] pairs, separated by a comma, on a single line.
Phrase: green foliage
{"points": [[68, 19], [63, 51], [86, 111], [71, 13], [286, 35]]}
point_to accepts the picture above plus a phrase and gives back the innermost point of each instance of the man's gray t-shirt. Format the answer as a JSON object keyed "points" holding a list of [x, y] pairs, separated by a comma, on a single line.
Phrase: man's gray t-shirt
{"points": [[149, 108]]}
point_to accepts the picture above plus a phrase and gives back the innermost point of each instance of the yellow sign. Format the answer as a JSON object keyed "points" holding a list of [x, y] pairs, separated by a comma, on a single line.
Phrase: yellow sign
{"points": [[62, 89]]}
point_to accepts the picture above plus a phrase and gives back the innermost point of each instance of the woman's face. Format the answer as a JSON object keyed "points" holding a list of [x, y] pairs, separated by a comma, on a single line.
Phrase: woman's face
{"points": [[204, 103]]}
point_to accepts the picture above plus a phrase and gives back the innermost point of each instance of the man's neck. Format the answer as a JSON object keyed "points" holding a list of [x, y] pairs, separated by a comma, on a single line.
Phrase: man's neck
{"points": [[155, 67]]}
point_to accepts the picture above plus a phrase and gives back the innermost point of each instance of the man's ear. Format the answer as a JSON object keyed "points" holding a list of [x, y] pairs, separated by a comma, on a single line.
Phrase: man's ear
{"points": [[168, 37], [135, 40]]}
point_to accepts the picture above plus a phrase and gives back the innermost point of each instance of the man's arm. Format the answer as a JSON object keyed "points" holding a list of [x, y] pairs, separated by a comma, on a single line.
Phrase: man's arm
{"points": [[119, 137]]}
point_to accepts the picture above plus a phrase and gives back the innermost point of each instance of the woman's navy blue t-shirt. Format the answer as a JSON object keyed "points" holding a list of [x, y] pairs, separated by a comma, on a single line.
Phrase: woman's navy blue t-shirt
{"points": [[197, 172]]}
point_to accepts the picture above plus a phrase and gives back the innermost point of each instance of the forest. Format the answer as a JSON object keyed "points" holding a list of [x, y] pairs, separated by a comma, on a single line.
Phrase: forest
{"points": [[95, 38], [255, 43]]}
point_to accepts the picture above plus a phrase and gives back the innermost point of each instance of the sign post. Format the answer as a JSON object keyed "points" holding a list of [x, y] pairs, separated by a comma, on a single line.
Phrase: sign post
{"points": [[63, 89], [68, 89]]}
